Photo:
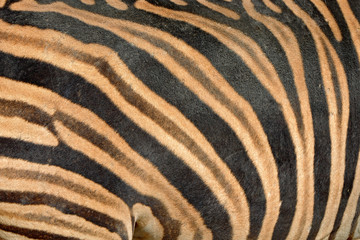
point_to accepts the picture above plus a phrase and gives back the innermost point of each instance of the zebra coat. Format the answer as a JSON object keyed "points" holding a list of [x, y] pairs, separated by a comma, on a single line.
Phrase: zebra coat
{"points": [[154, 119]]}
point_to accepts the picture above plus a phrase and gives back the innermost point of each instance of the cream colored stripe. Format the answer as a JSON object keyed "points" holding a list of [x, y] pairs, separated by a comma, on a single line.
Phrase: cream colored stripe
{"points": [[98, 192], [48, 219], [272, 6], [34, 186], [12, 236], [224, 11], [265, 173], [329, 18], [345, 227], [352, 23], [179, 2], [337, 123], [88, 2], [18, 128], [93, 152], [304, 143], [118, 4], [41, 226], [232, 203], [177, 206]]}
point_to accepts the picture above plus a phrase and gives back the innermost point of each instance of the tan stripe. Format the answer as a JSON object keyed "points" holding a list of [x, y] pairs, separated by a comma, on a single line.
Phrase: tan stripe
{"points": [[224, 11], [329, 18], [148, 226], [273, 199], [350, 210], [65, 232], [88, 2], [179, 2], [2, 3], [34, 186], [72, 181], [147, 187], [118, 4], [338, 123], [303, 139], [178, 208], [18, 128], [12, 236], [352, 23], [45, 218], [175, 146], [272, 6]]}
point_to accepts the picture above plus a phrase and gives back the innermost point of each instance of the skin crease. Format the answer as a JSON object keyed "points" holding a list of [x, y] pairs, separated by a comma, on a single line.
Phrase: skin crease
{"points": [[179, 119]]}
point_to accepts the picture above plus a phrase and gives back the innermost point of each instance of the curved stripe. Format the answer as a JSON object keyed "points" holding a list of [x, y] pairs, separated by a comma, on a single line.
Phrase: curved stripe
{"points": [[303, 131], [329, 18], [158, 187], [5, 235], [214, 29], [333, 74], [224, 11], [345, 227], [36, 234], [18, 128], [118, 4], [353, 24], [232, 203], [17, 168], [88, 2], [272, 6], [82, 145], [40, 217], [41, 188], [179, 2]]}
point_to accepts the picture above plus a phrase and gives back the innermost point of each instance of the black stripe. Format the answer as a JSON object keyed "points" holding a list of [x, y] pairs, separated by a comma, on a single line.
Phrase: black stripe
{"points": [[34, 234], [82, 93], [67, 207], [71, 160]]}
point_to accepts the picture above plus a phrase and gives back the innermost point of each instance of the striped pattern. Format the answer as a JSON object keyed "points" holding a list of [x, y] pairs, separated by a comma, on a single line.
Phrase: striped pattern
{"points": [[179, 119]]}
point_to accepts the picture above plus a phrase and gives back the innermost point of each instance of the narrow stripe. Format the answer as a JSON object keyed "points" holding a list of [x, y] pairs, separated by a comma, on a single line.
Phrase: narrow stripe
{"points": [[35, 234], [345, 227], [337, 122], [180, 152], [118, 4], [224, 11], [5, 235], [88, 2], [329, 18], [18, 128], [40, 217], [353, 24], [305, 147], [272, 6], [17, 168], [49, 192], [59, 203], [177, 206], [192, 20], [179, 2], [24, 111]]}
